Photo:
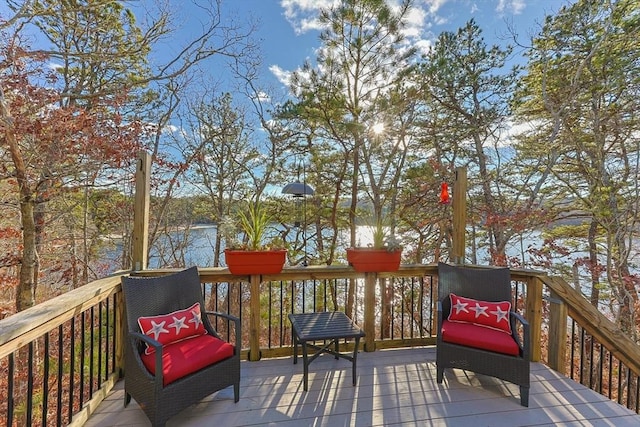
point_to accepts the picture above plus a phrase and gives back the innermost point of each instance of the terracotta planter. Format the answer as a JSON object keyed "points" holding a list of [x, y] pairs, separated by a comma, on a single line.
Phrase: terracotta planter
{"points": [[255, 262], [367, 260]]}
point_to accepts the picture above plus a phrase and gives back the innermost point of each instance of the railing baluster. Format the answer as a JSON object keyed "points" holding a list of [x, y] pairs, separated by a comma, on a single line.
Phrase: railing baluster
{"points": [[573, 352], [315, 296], [269, 314], [638, 394], [72, 370], [106, 344], [628, 388], [581, 378], [280, 319], [610, 374], [601, 368], [60, 372], [10, 384], [30, 380], [591, 353], [619, 399], [45, 381], [83, 339], [91, 349]]}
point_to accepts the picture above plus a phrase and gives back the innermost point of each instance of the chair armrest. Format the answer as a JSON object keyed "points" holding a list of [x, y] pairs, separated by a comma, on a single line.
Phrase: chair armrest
{"points": [[135, 338], [236, 322], [526, 333]]}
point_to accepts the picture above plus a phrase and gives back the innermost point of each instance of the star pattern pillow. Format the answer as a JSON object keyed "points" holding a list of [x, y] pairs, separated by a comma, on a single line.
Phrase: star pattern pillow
{"points": [[172, 327], [494, 315]]}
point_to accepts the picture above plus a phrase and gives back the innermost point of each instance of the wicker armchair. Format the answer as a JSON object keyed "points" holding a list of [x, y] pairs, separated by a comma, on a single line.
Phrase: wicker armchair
{"points": [[166, 393], [452, 352]]}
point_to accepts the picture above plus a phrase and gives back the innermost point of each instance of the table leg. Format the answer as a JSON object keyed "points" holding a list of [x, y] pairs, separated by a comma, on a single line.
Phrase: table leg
{"points": [[295, 348], [355, 355], [306, 364], [337, 341]]}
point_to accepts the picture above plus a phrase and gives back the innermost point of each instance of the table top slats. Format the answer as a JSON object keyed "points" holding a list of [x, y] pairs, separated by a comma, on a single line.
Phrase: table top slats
{"points": [[324, 325]]}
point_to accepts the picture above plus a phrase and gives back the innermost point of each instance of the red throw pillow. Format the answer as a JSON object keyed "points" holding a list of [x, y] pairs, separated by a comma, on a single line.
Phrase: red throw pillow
{"points": [[172, 327], [494, 315]]}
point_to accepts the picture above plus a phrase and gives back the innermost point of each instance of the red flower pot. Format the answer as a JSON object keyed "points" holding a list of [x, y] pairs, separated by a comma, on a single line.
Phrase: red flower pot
{"points": [[367, 260], [255, 262]]}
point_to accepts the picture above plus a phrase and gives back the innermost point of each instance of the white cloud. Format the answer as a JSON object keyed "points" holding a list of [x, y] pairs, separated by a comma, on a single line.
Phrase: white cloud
{"points": [[170, 129], [423, 46], [435, 5], [415, 22], [283, 76], [263, 96], [513, 6], [303, 14]]}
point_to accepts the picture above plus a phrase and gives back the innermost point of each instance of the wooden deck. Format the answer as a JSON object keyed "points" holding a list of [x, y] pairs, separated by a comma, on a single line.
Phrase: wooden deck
{"points": [[395, 387]]}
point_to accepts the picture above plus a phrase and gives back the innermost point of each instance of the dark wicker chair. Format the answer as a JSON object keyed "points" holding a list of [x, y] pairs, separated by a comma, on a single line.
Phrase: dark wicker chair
{"points": [[151, 296], [493, 284]]}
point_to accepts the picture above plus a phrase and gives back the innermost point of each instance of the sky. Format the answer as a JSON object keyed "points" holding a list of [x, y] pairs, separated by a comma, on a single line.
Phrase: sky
{"points": [[289, 30]]}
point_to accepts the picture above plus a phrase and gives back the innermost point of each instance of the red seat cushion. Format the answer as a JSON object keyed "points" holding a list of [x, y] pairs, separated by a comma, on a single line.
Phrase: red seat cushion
{"points": [[190, 355], [471, 335]]}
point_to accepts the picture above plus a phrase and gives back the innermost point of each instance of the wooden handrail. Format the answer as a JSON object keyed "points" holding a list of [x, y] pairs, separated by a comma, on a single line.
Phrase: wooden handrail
{"points": [[21, 328], [595, 323]]}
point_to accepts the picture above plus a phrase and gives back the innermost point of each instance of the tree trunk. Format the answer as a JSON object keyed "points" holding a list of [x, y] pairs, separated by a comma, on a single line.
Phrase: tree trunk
{"points": [[25, 296], [593, 263]]}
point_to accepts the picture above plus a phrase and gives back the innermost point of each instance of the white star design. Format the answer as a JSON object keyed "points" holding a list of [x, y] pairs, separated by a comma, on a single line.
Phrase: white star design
{"points": [[157, 329], [501, 314], [481, 310], [461, 306], [196, 319], [178, 324]]}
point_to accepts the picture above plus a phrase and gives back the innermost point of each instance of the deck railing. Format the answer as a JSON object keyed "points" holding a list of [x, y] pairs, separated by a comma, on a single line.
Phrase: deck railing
{"points": [[59, 359]]}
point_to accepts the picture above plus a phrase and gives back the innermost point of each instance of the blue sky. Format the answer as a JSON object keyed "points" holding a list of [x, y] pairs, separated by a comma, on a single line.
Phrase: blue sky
{"points": [[289, 31]]}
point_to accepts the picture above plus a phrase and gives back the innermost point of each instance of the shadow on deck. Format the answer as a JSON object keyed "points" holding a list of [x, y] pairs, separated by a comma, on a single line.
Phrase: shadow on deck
{"points": [[395, 387]]}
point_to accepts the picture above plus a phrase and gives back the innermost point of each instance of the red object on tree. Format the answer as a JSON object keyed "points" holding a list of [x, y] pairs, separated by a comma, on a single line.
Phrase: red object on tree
{"points": [[444, 194]]}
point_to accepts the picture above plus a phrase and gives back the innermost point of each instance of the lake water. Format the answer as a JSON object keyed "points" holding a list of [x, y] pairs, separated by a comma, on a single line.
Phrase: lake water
{"points": [[199, 250]]}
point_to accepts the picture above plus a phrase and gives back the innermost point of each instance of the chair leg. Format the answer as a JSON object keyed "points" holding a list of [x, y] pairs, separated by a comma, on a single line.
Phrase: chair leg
{"points": [[236, 392], [524, 396], [439, 374], [127, 399]]}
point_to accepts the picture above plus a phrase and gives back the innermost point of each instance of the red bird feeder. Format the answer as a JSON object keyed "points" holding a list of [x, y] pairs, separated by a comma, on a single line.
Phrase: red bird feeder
{"points": [[444, 194]]}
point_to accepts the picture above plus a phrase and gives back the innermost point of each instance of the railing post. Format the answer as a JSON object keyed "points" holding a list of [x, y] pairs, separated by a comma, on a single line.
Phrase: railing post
{"points": [[120, 333], [533, 315], [557, 334], [369, 311], [141, 212], [254, 318]]}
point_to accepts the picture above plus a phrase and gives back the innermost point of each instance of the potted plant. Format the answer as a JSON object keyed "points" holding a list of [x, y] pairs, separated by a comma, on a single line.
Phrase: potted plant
{"points": [[255, 255], [383, 255]]}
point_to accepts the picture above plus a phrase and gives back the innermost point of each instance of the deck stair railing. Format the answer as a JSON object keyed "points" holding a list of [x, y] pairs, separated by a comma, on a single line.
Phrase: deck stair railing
{"points": [[59, 359]]}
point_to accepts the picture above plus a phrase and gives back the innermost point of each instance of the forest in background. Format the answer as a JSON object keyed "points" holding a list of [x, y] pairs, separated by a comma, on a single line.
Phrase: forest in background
{"points": [[549, 145]]}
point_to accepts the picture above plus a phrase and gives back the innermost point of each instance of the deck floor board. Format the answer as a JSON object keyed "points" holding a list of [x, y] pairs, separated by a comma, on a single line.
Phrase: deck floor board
{"points": [[394, 388]]}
